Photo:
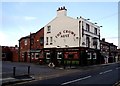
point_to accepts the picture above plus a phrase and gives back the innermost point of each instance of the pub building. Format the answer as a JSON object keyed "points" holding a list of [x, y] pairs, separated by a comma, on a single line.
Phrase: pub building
{"points": [[66, 41], [71, 41]]}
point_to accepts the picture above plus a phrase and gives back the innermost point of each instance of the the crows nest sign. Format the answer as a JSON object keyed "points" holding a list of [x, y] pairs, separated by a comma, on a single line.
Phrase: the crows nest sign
{"points": [[65, 33]]}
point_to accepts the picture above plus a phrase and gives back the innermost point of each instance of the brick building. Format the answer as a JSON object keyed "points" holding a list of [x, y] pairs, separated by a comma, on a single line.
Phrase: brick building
{"points": [[10, 53], [74, 41], [108, 51], [67, 41], [31, 47], [118, 50]]}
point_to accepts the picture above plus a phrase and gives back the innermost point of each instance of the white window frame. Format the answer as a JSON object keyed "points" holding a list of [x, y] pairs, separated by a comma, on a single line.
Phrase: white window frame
{"points": [[32, 55], [22, 55], [90, 54], [28, 54], [36, 55], [48, 29], [47, 54], [95, 56], [59, 53]]}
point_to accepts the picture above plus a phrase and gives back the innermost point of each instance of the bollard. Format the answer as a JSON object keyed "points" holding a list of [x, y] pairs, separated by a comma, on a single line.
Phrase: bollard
{"points": [[28, 70], [14, 69]]}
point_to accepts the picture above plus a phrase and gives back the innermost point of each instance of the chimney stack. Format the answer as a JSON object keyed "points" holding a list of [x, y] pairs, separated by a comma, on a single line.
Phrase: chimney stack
{"points": [[62, 11], [103, 39]]}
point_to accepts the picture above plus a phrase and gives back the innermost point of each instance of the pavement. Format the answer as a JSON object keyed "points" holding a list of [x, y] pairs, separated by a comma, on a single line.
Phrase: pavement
{"points": [[51, 73]]}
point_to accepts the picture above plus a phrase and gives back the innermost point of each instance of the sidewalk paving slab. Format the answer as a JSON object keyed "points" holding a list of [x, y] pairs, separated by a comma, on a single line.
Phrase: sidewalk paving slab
{"points": [[17, 79]]}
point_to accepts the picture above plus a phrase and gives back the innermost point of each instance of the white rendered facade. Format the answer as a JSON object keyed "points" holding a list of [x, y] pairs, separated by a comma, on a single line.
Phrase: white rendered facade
{"points": [[64, 32]]}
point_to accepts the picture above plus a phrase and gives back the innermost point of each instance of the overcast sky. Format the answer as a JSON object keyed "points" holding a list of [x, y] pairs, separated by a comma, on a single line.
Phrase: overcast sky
{"points": [[21, 18]]}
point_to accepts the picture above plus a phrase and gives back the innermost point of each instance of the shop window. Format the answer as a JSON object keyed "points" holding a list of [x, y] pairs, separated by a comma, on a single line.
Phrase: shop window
{"points": [[89, 56], [59, 55], [47, 55], [70, 56], [32, 55], [37, 56], [22, 55], [3, 54], [94, 55], [28, 54]]}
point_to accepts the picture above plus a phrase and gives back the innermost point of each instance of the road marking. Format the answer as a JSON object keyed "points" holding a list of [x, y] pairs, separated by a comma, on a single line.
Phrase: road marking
{"points": [[6, 78], [105, 72], [76, 80], [117, 68]]}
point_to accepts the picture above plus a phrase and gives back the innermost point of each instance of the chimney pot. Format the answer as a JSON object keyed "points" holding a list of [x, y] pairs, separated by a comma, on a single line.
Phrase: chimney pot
{"points": [[103, 39], [58, 8], [62, 11], [64, 7]]}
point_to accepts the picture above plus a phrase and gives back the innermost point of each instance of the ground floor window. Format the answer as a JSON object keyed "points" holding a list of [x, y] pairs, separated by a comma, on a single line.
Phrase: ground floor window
{"points": [[59, 55], [89, 56], [47, 55], [3, 55], [70, 56], [22, 55], [32, 55], [28, 54], [94, 56], [36, 55]]}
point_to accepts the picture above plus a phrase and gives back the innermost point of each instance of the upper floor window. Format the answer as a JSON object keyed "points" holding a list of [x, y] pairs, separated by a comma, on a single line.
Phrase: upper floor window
{"points": [[49, 29], [95, 30], [87, 42], [32, 41], [87, 27], [51, 40], [25, 41], [41, 40], [46, 40]]}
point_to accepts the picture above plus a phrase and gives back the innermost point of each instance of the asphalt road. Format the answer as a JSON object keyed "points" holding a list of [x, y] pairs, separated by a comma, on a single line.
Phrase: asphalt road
{"points": [[22, 68], [106, 75]]}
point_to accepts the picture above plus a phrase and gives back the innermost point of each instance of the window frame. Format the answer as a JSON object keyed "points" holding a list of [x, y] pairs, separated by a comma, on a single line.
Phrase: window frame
{"points": [[95, 31], [51, 40], [46, 40], [48, 29], [87, 27], [25, 42]]}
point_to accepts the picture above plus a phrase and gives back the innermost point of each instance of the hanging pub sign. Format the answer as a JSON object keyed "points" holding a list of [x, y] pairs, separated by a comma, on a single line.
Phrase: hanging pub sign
{"points": [[65, 33]]}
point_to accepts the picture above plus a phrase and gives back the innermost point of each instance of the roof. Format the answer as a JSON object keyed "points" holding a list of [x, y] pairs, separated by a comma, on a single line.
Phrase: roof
{"points": [[32, 34], [26, 36], [107, 43]]}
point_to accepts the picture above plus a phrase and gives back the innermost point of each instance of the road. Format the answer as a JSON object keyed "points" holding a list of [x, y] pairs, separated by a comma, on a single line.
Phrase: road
{"points": [[22, 68], [106, 75]]}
